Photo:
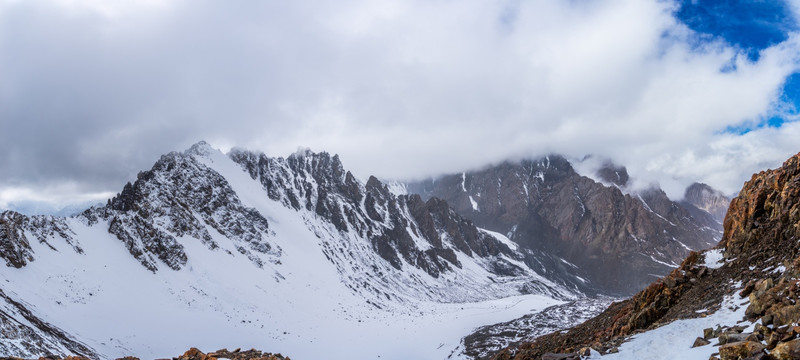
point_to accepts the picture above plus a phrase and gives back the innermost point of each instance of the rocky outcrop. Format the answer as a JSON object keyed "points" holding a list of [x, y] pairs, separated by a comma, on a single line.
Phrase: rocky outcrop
{"points": [[617, 241], [238, 354], [16, 250], [180, 196], [404, 230], [760, 251], [15, 228]]}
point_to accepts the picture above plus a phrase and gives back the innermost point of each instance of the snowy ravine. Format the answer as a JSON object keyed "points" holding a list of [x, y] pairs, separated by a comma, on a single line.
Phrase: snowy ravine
{"points": [[287, 255]]}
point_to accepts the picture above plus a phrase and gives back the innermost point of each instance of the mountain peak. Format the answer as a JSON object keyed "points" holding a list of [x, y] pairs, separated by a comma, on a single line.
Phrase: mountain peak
{"points": [[201, 148], [613, 173], [708, 199]]}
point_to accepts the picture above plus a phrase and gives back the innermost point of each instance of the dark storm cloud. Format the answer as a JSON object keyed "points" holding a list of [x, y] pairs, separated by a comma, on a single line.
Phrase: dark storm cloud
{"points": [[91, 93]]}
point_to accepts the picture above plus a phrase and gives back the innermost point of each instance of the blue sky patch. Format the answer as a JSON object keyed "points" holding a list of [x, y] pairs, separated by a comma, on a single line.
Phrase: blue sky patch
{"points": [[751, 26]]}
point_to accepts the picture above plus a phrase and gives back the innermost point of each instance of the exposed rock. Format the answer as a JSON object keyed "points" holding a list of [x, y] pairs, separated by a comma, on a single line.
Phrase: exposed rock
{"points": [[393, 224], [700, 342], [616, 240], [710, 333], [741, 350], [15, 247], [732, 337], [787, 351], [761, 250], [251, 354], [181, 196]]}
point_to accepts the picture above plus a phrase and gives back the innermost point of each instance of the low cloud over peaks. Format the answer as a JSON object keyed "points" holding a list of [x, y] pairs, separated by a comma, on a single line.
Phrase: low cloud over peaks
{"points": [[93, 93]]}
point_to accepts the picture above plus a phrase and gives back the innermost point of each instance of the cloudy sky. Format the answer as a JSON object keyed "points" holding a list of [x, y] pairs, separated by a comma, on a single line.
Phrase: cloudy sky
{"points": [[91, 91]]}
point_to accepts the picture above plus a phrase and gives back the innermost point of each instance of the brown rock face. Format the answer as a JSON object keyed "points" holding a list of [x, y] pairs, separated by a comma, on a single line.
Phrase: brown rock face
{"points": [[700, 342], [762, 251], [740, 350], [617, 240], [787, 351], [763, 219], [238, 354]]}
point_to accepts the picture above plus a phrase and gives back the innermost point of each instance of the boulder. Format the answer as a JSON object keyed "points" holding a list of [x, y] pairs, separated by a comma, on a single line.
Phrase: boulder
{"points": [[700, 342], [787, 350], [710, 333], [732, 337], [740, 350], [786, 315]]}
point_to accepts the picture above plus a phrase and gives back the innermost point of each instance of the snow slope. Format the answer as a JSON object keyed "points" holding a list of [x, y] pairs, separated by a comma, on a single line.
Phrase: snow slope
{"points": [[675, 340], [313, 291], [113, 304]]}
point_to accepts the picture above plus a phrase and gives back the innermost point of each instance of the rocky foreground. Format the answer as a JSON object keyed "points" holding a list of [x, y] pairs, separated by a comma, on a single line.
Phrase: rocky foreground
{"points": [[191, 354], [760, 256]]}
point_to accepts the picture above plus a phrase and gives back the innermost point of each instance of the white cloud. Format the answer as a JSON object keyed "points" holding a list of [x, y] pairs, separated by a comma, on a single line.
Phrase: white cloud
{"points": [[50, 197], [398, 88]]}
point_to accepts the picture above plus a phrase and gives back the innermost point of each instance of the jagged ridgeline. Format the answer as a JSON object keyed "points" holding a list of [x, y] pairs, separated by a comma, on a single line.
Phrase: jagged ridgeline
{"points": [[759, 263], [281, 233], [245, 244], [617, 239]]}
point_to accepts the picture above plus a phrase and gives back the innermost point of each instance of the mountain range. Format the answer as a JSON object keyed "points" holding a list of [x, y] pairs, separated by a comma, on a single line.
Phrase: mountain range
{"points": [[738, 300], [287, 252], [620, 241]]}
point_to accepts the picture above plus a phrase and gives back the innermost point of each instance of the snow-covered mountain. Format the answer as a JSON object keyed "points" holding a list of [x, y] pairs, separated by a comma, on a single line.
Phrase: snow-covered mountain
{"points": [[618, 240], [215, 250]]}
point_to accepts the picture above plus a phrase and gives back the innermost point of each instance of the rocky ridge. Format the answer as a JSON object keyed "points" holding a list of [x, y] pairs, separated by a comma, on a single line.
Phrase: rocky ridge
{"points": [[758, 256], [180, 196], [619, 242], [391, 250], [183, 196], [15, 247], [403, 230]]}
